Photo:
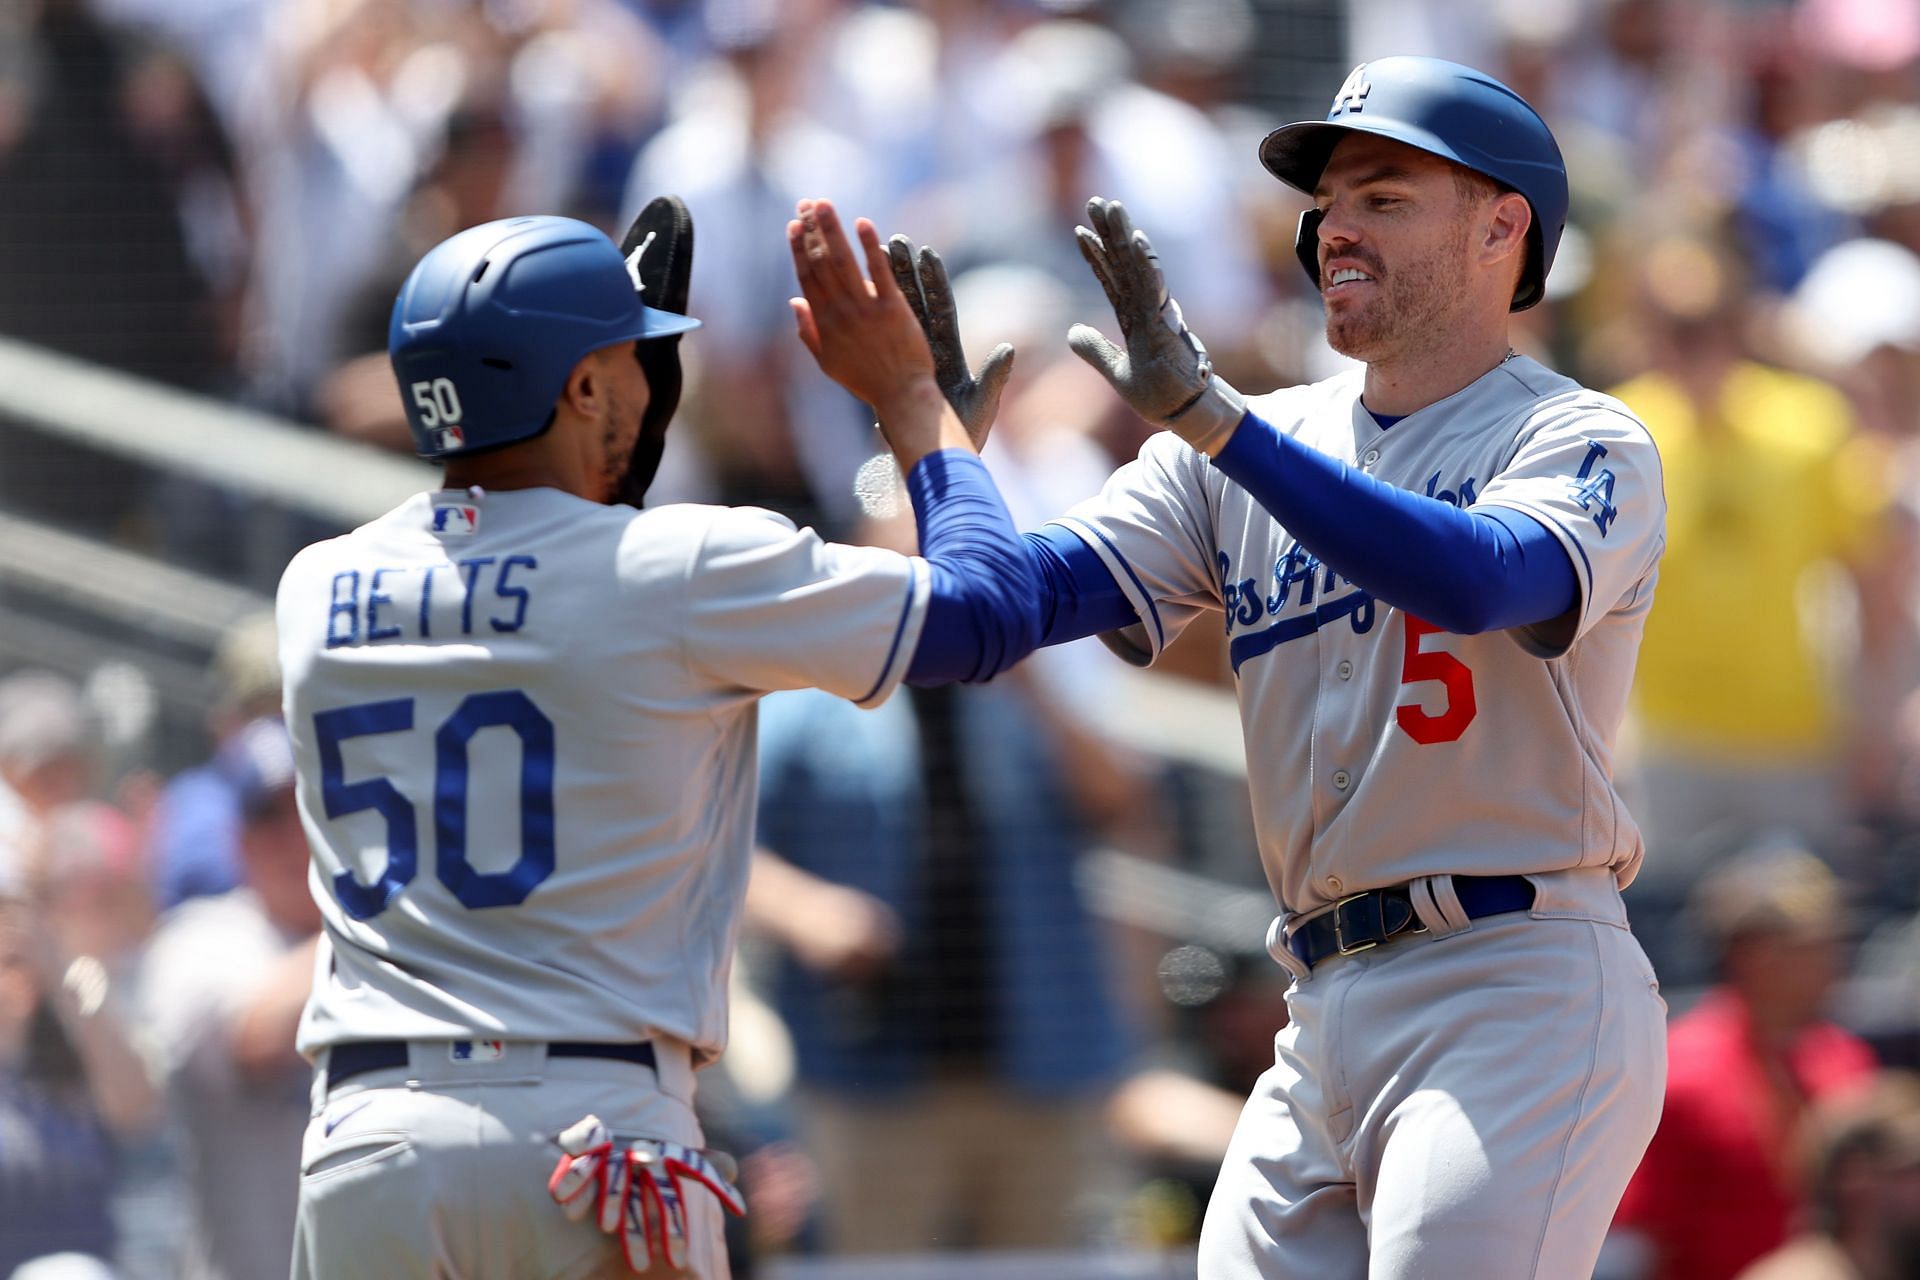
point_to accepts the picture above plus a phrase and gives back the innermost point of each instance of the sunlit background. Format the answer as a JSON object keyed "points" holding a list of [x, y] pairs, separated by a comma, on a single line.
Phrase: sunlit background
{"points": [[205, 209]]}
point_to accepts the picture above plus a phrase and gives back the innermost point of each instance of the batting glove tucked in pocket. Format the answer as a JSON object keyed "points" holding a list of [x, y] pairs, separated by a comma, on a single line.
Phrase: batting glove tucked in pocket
{"points": [[634, 1189]]}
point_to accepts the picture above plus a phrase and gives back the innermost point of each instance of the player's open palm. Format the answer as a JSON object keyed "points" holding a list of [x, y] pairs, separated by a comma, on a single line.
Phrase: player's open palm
{"points": [[862, 332]]}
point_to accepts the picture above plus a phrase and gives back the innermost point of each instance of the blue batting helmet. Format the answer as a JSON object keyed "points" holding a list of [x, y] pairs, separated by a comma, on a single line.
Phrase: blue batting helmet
{"points": [[493, 319], [1450, 111]]}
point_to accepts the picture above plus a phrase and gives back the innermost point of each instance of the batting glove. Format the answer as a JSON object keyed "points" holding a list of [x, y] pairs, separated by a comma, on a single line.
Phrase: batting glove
{"points": [[579, 1181], [975, 398], [636, 1192], [1164, 373]]}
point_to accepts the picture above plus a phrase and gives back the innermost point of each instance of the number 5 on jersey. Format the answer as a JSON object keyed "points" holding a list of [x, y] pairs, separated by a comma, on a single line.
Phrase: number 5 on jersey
{"points": [[509, 709], [1455, 679]]}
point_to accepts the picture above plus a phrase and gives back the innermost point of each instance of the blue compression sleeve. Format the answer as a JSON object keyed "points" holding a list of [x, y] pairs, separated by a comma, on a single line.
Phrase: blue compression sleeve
{"points": [[1464, 571], [1079, 596], [985, 610]]}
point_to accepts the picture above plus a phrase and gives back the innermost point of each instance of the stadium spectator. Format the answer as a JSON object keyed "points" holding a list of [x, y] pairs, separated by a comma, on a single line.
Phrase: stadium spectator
{"points": [[196, 827], [1768, 486], [71, 1089], [1863, 1179], [770, 429], [946, 991], [92, 885], [90, 197], [1717, 1188], [225, 981], [46, 763]]}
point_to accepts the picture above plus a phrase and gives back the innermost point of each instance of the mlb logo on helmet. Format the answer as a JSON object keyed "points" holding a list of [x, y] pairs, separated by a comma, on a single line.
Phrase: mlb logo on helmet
{"points": [[456, 518], [478, 1050], [449, 438]]}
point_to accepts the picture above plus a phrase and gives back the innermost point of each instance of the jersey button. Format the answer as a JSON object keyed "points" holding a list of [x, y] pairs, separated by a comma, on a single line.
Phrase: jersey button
{"points": [[1345, 669], [1335, 884], [1372, 456], [1341, 780]]}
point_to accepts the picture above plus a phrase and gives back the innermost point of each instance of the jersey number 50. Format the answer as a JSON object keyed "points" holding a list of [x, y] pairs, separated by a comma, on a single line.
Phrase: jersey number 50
{"points": [[507, 708]]}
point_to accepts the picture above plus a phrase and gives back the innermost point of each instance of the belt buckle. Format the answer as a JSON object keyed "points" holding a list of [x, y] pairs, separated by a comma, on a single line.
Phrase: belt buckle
{"points": [[1340, 946]]}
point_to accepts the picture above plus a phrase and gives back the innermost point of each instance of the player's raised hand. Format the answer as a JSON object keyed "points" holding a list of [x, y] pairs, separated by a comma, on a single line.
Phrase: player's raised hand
{"points": [[922, 279], [1164, 372], [863, 333]]}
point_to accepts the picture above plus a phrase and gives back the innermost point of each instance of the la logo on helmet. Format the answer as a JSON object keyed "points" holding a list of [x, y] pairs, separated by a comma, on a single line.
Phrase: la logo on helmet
{"points": [[1353, 94]]}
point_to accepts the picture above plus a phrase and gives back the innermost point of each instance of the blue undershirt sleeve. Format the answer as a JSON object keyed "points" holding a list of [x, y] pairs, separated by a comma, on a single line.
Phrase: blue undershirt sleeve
{"points": [[995, 595], [984, 607], [1465, 571], [1079, 595]]}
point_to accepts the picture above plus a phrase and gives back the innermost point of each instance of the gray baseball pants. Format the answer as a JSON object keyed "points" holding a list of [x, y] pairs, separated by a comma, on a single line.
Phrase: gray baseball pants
{"points": [[1466, 1104], [438, 1170]]}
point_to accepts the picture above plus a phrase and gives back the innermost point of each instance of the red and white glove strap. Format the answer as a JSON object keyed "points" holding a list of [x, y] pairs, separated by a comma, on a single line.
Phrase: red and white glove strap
{"points": [[636, 1191], [655, 1221], [579, 1181]]}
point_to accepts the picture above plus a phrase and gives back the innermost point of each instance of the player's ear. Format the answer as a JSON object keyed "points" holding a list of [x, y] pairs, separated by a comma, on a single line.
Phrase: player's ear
{"points": [[585, 385], [1508, 220]]}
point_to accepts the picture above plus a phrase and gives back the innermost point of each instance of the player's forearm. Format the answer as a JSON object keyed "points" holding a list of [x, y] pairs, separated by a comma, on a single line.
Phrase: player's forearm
{"points": [[917, 421], [984, 613], [1075, 597], [1464, 571], [1079, 596]]}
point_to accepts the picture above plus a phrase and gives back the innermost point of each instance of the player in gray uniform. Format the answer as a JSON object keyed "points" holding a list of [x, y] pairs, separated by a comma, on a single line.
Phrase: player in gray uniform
{"points": [[1434, 574], [523, 718]]}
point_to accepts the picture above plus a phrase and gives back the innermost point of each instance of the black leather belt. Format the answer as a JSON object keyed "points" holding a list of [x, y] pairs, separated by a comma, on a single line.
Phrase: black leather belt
{"points": [[345, 1061], [1368, 919]]}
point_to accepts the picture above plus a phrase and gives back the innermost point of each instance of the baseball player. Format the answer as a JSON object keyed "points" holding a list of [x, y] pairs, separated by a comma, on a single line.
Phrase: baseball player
{"points": [[523, 715], [1433, 574]]}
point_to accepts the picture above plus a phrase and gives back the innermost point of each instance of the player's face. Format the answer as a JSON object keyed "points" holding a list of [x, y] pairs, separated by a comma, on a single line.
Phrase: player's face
{"points": [[648, 449], [625, 404], [1393, 247]]}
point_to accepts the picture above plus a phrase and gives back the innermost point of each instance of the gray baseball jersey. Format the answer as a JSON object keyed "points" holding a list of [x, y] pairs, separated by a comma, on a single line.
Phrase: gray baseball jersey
{"points": [[1380, 749], [524, 725]]}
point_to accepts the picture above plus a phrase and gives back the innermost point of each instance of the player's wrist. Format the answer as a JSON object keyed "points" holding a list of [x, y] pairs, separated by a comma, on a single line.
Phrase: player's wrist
{"points": [[916, 420], [1210, 419]]}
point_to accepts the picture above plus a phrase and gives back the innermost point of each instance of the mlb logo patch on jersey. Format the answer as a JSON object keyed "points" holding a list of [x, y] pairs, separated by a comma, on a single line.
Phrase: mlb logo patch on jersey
{"points": [[456, 517], [477, 1050]]}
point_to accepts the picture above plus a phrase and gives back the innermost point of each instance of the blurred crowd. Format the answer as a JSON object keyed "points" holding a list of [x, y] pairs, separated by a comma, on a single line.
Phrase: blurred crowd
{"points": [[946, 1036]]}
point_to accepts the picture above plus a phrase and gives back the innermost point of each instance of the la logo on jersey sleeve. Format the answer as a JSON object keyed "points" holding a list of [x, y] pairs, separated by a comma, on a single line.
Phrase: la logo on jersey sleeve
{"points": [[1594, 490]]}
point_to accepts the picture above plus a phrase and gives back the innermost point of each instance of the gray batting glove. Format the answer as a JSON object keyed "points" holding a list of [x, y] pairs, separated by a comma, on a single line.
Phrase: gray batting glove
{"points": [[1164, 373], [975, 397]]}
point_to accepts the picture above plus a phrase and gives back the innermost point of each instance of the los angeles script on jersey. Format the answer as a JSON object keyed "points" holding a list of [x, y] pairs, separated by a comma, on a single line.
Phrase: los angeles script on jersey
{"points": [[1246, 602], [1303, 590], [488, 595]]}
